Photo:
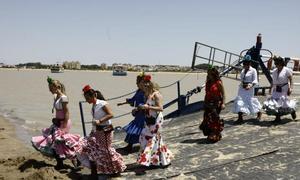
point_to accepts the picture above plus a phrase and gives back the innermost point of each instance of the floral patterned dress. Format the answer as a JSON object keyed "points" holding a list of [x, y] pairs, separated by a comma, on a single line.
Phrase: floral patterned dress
{"points": [[57, 140], [153, 150]]}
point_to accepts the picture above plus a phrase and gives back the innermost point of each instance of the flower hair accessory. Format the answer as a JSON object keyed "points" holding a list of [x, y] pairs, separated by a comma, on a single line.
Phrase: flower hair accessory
{"points": [[49, 80], [147, 77], [142, 74], [86, 88], [210, 66]]}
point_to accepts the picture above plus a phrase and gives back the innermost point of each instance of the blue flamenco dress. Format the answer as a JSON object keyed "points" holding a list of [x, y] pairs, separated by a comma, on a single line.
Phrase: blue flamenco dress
{"points": [[135, 127]]}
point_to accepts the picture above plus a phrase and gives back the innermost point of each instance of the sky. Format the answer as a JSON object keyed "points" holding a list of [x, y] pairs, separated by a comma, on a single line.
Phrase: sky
{"points": [[142, 32]]}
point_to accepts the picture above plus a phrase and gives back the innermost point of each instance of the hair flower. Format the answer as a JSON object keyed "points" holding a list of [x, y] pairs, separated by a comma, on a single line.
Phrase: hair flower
{"points": [[147, 77], [86, 88], [49, 80], [142, 74]]}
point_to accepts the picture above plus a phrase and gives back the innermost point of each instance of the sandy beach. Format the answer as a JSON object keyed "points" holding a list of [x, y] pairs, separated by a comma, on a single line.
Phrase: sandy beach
{"points": [[18, 161]]}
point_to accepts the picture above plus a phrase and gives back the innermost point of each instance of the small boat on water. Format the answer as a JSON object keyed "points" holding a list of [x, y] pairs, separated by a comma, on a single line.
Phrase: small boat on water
{"points": [[57, 69], [119, 70]]}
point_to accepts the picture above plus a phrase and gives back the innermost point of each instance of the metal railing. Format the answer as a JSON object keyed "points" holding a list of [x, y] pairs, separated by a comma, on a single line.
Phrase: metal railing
{"points": [[179, 100], [225, 60]]}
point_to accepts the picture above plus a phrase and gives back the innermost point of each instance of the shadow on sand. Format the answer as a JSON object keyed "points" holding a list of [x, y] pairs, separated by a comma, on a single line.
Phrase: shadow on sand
{"points": [[198, 141], [32, 163], [255, 122], [124, 152], [140, 170]]}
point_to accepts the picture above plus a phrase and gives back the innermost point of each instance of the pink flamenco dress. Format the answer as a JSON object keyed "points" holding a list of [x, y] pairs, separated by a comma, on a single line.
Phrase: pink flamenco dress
{"points": [[56, 141], [153, 151]]}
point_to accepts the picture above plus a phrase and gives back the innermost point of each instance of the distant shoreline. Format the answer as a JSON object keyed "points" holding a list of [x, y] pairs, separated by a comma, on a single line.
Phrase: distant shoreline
{"points": [[71, 70]]}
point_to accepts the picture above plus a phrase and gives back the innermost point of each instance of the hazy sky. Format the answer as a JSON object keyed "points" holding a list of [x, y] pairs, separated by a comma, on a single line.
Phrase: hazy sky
{"points": [[140, 31]]}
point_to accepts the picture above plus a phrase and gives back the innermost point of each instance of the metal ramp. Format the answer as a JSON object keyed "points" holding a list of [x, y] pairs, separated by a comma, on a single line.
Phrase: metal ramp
{"points": [[205, 55], [228, 62]]}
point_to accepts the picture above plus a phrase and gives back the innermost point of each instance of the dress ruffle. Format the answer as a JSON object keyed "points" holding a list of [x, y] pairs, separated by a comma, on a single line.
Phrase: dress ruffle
{"points": [[246, 105], [280, 106], [97, 148], [134, 128], [56, 141], [245, 102]]}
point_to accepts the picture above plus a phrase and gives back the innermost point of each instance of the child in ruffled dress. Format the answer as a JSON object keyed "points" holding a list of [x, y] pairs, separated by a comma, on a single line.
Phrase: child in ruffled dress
{"points": [[135, 127], [153, 151], [96, 150], [56, 140]]}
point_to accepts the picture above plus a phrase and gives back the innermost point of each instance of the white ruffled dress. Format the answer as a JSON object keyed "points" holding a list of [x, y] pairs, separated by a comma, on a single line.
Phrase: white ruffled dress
{"points": [[279, 102], [245, 101]]}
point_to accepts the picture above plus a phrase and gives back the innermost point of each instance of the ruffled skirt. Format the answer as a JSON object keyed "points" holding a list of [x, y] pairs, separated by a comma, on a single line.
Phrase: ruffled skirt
{"points": [[97, 148], [279, 106], [134, 128], [57, 141], [246, 103]]}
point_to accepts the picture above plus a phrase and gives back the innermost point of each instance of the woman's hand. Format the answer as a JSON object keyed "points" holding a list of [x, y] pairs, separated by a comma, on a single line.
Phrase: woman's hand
{"points": [[222, 106], [143, 106], [289, 92], [95, 122], [249, 86]]}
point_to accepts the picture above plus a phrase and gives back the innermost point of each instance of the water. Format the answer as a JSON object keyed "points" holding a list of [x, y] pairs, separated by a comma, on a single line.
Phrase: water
{"points": [[27, 102]]}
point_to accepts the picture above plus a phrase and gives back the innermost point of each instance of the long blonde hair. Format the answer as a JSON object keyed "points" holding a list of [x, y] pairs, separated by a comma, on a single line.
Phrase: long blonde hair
{"points": [[57, 84]]}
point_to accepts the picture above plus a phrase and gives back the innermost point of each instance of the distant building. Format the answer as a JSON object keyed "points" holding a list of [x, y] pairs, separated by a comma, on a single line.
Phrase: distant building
{"points": [[72, 65], [103, 66], [144, 68], [126, 66]]}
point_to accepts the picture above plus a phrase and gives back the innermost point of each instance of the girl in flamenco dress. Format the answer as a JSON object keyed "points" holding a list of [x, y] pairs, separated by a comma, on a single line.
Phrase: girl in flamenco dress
{"points": [[153, 151], [96, 150], [56, 141], [135, 127]]}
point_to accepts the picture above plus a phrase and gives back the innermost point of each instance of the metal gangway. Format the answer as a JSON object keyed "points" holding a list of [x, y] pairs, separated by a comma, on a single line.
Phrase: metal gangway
{"points": [[229, 63]]}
